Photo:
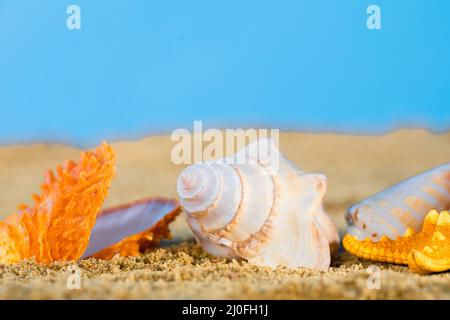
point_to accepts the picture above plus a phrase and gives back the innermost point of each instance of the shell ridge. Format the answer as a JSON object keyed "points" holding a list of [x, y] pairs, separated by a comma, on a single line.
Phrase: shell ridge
{"points": [[440, 190], [230, 227], [428, 197], [397, 222], [254, 241]]}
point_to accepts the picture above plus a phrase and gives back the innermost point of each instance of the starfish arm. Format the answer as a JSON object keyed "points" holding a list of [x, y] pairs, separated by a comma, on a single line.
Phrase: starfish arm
{"points": [[386, 250], [434, 255]]}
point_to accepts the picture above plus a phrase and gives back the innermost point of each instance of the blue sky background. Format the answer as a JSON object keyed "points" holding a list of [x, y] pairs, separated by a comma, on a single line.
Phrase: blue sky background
{"points": [[141, 67]]}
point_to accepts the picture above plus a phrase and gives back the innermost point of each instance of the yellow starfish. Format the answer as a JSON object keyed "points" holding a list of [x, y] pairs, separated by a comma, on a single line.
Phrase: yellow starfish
{"points": [[424, 252]]}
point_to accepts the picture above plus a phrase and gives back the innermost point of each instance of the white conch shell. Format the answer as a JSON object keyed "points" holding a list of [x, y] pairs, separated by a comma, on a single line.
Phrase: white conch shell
{"points": [[390, 212], [265, 210]]}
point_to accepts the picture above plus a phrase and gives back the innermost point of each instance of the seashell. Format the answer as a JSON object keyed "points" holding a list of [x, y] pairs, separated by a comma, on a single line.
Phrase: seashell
{"points": [[129, 229], [424, 252], [58, 226], [405, 205], [259, 206]]}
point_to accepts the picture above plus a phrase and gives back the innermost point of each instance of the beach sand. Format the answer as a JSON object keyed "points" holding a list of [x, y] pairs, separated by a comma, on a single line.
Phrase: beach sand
{"points": [[356, 167]]}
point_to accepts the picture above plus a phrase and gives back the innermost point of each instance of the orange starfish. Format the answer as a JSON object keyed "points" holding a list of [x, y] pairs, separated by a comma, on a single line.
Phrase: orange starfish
{"points": [[58, 225], [424, 252]]}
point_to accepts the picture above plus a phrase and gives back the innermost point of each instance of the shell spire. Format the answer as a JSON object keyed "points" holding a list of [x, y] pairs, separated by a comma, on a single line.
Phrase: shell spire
{"points": [[259, 206]]}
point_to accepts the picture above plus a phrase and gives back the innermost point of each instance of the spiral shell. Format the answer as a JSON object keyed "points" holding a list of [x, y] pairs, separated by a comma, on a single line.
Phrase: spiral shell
{"points": [[405, 205], [263, 209]]}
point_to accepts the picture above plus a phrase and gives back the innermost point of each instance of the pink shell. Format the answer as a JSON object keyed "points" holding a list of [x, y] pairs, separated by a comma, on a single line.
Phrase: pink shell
{"points": [[117, 223]]}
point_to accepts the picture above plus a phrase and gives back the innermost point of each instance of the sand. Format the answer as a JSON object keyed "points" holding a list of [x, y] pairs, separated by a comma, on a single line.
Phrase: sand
{"points": [[356, 166]]}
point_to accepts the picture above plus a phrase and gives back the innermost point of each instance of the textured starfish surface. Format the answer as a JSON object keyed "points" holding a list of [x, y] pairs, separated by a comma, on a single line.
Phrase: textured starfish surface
{"points": [[424, 252], [58, 225], [138, 243]]}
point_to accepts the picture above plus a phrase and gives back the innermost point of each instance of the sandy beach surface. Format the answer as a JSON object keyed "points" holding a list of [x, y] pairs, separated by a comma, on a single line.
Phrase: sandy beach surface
{"points": [[356, 167]]}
